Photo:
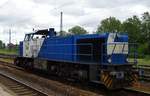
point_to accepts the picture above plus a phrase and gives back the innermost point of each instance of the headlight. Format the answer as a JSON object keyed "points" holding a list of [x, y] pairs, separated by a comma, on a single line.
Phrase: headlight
{"points": [[109, 60], [127, 59]]}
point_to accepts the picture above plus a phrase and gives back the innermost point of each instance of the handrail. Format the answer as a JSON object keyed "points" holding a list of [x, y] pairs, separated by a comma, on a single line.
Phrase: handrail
{"points": [[123, 48], [114, 48]]}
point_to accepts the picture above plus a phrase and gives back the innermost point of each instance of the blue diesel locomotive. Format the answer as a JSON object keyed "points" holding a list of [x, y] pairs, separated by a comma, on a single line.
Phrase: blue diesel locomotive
{"points": [[98, 58]]}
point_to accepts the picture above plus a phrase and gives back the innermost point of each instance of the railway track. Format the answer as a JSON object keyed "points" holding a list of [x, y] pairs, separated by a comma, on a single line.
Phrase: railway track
{"points": [[145, 72], [8, 56], [19, 88], [127, 91], [46, 86], [135, 92]]}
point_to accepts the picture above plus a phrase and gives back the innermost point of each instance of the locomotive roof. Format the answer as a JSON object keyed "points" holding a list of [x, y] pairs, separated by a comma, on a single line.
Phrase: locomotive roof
{"points": [[43, 32]]}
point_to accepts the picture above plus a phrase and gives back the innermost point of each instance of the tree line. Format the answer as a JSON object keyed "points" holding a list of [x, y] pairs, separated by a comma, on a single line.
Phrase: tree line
{"points": [[2, 44], [137, 28]]}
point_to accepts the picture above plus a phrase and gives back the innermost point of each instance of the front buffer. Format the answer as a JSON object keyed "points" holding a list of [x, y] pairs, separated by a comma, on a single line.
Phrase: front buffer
{"points": [[115, 79], [116, 69]]}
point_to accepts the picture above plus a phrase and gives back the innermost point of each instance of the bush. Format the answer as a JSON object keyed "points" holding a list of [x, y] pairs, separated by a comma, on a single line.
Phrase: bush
{"points": [[147, 57], [142, 50]]}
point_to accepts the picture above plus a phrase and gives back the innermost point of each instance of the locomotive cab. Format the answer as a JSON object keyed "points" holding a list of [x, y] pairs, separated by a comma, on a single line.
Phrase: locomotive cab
{"points": [[40, 34], [33, 42]]}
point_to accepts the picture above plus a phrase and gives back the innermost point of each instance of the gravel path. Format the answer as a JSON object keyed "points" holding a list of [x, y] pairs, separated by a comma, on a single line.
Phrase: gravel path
{"points": [[4, 91]]}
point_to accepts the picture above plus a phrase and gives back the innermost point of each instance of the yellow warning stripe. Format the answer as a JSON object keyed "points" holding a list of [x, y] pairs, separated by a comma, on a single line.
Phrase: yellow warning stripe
{"points": [[107, 81], [135, 78], [110, 83], [106, 77]]}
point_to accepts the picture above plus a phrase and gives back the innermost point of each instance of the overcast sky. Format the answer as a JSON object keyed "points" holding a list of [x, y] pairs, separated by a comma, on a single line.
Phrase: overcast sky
{"points": [[23, 15]]}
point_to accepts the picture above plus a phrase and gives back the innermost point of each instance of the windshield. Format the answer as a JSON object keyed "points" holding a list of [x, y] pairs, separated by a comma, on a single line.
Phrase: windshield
{"points": [[29, 37]]}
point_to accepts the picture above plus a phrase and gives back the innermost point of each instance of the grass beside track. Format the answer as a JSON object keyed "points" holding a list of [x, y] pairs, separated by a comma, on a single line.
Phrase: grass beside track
{"points": [[144, 61], [7, 60], [7, 51]]}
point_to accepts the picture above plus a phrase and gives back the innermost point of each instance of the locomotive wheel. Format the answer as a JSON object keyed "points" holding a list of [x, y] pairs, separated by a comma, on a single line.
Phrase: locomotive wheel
{"points": [[29, 65]]}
